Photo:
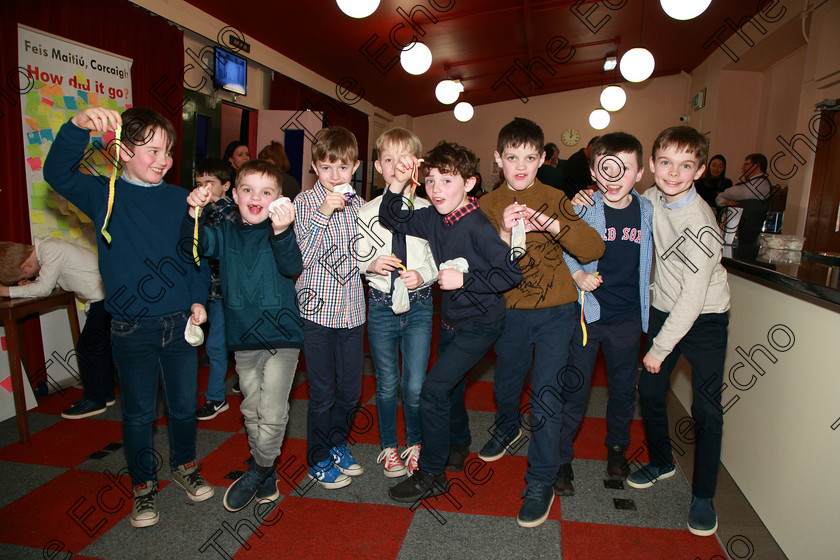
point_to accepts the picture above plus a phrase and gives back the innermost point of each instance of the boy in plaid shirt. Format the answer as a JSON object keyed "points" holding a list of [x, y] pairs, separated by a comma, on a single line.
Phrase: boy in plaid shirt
{"points": [[332, 306]]}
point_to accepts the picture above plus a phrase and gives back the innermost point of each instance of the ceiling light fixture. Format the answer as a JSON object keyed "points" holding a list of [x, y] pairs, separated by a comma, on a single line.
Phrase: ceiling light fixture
{"points": [[637, 64], [599, 119], [358, 8], [464, 111], [684, 9], [448, 91], [416, 58], [613, 98], [610, 63]]}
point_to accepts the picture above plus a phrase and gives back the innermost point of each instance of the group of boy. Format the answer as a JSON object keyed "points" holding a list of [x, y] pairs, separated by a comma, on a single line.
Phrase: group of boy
{"points": [[514, 272]]}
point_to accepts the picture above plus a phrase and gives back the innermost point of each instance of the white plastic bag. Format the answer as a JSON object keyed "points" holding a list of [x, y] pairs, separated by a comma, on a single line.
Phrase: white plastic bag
{"points": [[193, 334], [399, 299], [280, 201], [517, 238], [460, 264]]}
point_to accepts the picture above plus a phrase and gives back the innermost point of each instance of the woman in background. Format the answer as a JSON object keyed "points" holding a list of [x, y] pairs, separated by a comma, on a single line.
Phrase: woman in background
{"points": [[276, 154], [713, 180]]}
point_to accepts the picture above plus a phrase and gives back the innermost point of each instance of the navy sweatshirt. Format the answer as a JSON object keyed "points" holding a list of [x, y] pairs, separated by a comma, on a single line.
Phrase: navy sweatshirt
{"points": [[492, 270], [256, 269], [145, 270]]}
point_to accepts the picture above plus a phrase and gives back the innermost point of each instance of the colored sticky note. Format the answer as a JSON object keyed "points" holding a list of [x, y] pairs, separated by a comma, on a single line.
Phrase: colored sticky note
{"points": [[70, 102], [31, 110], [33, 137], [6, 383], [52, 203], [82, 94], [33, 150], [62, 223], [40, 188], [50, 90], [49, 219], [80, 77], [43, 122], [47, 101], [34, 163], [57, 234], [76, 232], [58, 101], [55, 123], [37, 217], [33, 98], [33, 124], [44, 109], [93, 99], [47, 135], [38, 203]]}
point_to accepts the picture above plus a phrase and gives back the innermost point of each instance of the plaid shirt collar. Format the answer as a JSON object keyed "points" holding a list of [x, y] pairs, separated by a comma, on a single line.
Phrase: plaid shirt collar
{"points": [[458, 213]]}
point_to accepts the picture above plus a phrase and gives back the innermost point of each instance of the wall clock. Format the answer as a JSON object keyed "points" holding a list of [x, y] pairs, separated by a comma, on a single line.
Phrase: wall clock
{"points": [[570, 137]]}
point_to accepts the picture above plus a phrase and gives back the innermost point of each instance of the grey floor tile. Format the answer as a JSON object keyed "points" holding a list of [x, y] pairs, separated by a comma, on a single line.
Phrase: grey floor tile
{"points": [[18, 479], [37, 422]]}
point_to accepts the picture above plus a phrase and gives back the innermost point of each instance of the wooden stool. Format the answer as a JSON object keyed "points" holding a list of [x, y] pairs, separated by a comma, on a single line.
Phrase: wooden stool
{"points": [[12, 313]]}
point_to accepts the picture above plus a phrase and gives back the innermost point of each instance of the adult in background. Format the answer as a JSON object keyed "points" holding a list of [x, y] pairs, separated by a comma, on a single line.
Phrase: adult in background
{"points": [[276, 154], [754, 183], [714, 181], [548, 172], [577, 175], [236, 154]]}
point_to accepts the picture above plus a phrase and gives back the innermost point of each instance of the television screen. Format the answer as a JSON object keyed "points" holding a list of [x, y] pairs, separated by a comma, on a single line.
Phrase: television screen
{"points": [[231, 72]]}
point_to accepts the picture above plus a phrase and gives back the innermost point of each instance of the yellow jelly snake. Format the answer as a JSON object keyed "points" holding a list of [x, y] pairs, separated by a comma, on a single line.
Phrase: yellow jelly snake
{"points": [[582, 320], [195, 231], [111, 183], [414, 184], [399, 264]]}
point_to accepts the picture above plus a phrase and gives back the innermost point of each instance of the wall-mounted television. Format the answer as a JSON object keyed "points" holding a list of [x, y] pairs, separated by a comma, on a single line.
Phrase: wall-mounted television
{"points": [[231, 72]]}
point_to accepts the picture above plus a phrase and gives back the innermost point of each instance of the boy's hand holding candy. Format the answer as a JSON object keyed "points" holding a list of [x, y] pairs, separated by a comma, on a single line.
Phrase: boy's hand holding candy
{"points": [[198, 198]]}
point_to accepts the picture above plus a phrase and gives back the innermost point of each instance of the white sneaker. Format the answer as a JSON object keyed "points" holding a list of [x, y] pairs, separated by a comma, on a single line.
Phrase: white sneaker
{"points": [[411, 455], [392, 465]]}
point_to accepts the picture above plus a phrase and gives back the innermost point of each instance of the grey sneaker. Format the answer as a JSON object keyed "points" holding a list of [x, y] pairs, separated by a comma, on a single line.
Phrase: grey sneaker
{"points": [[145, 513], [187, 477]]}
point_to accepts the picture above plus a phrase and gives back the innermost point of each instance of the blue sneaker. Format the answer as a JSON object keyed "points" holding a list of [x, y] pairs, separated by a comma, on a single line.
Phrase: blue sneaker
{"points": [[268, 492], [327, 475], [648, 475], [344, 462], [537, 504], [243, 489], [702, 520]]}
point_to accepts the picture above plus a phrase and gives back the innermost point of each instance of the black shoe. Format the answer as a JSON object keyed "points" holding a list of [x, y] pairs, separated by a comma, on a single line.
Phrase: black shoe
{"points": [[211, 409], [564, 486], [457, 457], [242, 491], [235, 389], [496, 447], [702, 520], [418, 486], [617, 466], [82, 409]]}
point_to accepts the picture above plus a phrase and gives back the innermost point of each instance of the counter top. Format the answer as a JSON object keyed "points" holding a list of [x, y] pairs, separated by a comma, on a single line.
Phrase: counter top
{"points": [[815, 278]]}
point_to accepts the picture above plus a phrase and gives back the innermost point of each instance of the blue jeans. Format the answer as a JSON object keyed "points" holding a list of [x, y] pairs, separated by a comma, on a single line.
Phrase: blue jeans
{"points": [[149, 352], [334, 373], [443, 414], [96, 363], [620, 342], [541, 335], [217, 352], [704, 346], [388, 333]]}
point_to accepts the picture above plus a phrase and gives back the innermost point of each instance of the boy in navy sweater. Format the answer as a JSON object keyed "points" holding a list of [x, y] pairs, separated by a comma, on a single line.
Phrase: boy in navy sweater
{"points": [[472, 306], [152, 288], [258, 256]]}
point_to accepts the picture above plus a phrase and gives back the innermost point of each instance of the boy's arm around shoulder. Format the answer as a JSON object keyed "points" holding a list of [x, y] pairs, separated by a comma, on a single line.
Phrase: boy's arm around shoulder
{"points": [[503, 271], [586, 215], [61, 171], [287, 253], [409, 221], [575, 235]]}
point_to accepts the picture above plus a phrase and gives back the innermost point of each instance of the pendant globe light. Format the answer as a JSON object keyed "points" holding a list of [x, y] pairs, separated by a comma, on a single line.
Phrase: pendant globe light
{"points": [[599, 119], [637, 64], [358, 8], [416, 58], [613, 98], [684, 9], [448, 91], [464, 111]]}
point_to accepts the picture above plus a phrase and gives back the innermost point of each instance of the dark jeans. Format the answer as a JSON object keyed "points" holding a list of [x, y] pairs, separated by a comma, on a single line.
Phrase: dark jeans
{"points": [[541, 335], [704, 346], [443, 415], [620, 342], [149, 352], [334, 374], [96, 362]]}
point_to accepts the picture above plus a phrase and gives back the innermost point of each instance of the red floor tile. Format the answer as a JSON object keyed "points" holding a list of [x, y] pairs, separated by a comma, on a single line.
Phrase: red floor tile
{"points": [[75, 508], [65, 444], [365, 427], [368, 531], [589, 443], [229, 456], [585, 541], [228, 421]]}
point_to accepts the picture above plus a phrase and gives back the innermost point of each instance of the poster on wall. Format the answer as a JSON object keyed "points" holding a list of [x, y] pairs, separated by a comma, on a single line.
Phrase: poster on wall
{"points": [[65, 78]]}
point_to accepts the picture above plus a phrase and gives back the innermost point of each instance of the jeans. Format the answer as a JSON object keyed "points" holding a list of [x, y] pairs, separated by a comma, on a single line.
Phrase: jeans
{"points": [[265, 377], [334, 374], [704, 346], [620, 342], [388, 333], [217, 352], [443, 414], [149, 352], [543, 334], [96, 361]]}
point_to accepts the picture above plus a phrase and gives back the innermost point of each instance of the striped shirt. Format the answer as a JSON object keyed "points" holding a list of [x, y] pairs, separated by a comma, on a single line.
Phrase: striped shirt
{"points": [[329, 288]]}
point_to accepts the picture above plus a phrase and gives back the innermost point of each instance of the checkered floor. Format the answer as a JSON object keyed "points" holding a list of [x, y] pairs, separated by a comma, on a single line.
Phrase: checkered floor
{"points": [[66, 493]]}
